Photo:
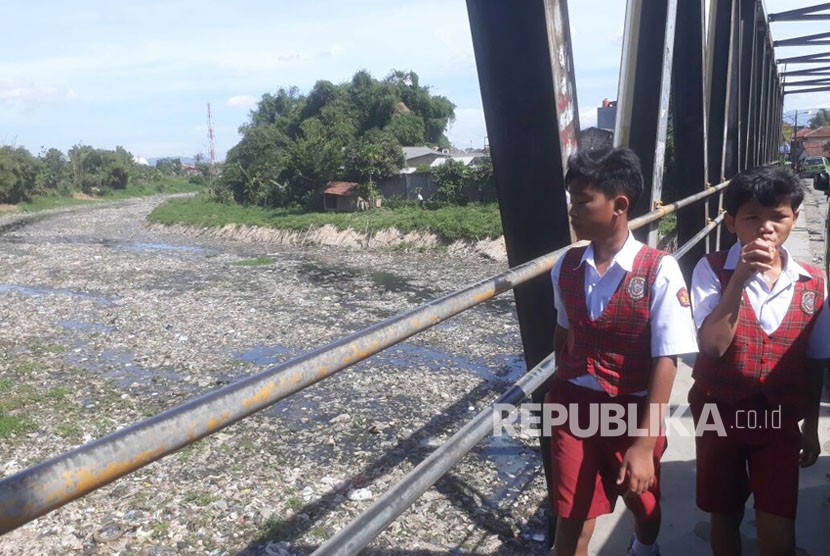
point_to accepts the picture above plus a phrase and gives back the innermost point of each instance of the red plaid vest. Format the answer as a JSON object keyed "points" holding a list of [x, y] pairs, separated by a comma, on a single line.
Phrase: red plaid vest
{"points": [[761, 363], [615, 348]]}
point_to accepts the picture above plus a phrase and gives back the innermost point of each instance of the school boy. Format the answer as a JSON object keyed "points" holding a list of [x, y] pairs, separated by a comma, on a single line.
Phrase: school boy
{"points": [[762, 324], [622, 318]]}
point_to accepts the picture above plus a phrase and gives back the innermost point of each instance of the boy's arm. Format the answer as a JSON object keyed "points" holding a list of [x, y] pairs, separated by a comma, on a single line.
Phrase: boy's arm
{"points": [[639, 459], [718, 330], [672, 333], [818, 355], [810, 446]]}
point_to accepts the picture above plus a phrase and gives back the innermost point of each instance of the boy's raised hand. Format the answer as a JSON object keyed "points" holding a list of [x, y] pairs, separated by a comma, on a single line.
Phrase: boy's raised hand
{"points": [[755, 256]]}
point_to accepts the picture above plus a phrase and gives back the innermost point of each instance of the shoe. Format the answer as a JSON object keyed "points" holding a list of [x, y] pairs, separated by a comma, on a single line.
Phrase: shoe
{"points": [[630, 551]]}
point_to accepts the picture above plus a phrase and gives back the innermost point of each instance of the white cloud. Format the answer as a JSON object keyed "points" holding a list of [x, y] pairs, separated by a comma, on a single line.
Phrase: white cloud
{"points": [[468, 129], [588, 118], [242, 101], [15, 93]]}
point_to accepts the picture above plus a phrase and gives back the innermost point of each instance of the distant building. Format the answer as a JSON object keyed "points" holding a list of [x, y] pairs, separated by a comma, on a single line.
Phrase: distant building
{"points": [[607, 114], [408, 183], [595, 138], [813, 140], [340, 196], [422, 156]]}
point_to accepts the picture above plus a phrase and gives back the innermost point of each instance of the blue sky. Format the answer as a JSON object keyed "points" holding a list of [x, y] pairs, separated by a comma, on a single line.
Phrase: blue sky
{"points": [[140, 74]]}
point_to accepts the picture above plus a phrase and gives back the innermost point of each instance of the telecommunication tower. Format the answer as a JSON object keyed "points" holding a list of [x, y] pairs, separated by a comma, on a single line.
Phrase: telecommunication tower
{"points": [[211, 137]]}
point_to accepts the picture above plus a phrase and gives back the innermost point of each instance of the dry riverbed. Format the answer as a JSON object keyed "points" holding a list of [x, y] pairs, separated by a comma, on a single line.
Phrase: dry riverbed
{"points": [[105, 322]]}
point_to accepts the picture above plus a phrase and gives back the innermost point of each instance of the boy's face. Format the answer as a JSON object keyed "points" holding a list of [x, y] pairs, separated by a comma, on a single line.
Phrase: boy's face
{"points": [[593, 212], [755, 221]]}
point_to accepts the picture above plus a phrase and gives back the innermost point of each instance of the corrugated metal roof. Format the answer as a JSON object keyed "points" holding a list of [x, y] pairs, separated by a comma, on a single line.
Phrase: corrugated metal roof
{"points": [[344, 188]]}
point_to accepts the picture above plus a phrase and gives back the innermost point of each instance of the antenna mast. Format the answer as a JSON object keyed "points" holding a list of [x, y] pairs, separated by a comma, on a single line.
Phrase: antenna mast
{"points": [[211, 137]]}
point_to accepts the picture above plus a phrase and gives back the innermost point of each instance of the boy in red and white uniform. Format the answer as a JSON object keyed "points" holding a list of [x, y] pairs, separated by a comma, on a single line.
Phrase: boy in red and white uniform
{"points": [[622, 318], [763, 327]]}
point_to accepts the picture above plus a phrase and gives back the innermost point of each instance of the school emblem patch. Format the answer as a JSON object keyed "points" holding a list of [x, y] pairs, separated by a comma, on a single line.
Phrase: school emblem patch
{"points": [[808, 302], [636, 289], [683, 297]]}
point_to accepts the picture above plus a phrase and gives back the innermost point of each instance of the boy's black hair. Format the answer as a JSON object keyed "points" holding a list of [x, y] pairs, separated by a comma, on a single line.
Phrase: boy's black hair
{"points": [[611, 171], [769, 185]]}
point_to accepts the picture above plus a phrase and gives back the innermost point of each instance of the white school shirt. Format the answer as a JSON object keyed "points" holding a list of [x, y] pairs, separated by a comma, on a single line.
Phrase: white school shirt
{"points": [[770, 305], [671, 325]]}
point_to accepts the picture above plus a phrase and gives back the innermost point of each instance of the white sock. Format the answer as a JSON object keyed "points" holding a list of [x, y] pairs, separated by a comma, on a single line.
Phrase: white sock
{"points": [[640, 549]]}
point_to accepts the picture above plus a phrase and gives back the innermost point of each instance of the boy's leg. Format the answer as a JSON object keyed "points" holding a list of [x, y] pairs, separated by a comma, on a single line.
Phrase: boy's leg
{"points": [[573, 536], [725, 534], [722, 480], [776, 534], [645, 507], [647, 515], [773, 472], [577, 491]]}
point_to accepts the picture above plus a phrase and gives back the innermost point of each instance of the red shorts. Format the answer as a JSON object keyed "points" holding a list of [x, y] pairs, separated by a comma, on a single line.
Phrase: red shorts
{"points": [[758, 455], [584, 470]]}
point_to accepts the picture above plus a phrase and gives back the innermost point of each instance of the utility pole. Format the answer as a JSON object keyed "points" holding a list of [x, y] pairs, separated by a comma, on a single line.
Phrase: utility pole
{"points": [[794, 143], [211, 138]]}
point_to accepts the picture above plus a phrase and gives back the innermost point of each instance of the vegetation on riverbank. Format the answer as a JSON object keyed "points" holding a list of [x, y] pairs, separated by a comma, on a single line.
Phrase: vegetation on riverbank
{"points": [[449, 223], [167, 184]]}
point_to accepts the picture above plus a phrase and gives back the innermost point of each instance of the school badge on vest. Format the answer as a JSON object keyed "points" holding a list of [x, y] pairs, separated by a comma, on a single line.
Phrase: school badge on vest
{"points": [[808, 302], [683, 297], [636, 289]]}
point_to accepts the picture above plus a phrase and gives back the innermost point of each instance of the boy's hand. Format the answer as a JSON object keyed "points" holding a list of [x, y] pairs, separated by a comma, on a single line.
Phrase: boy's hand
{"points": [[756, 256], [810, 446], [639, 463]]}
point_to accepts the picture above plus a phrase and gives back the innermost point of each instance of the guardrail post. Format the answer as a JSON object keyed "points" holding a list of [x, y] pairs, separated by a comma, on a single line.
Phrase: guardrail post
{"points": [[688, 124], [643, 97]]}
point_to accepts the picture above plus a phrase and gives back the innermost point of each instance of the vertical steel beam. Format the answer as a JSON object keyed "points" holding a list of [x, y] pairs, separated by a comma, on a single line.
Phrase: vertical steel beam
{"points": [[717, 82], [643, 96], [688, 124], [731, 141], [755, 88], [525, 72], [564, 82], [512, 45], [746, 50]]}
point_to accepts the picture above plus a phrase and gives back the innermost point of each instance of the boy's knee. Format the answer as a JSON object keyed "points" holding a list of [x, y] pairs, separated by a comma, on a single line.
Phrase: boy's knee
{"points": [[644, 507]]}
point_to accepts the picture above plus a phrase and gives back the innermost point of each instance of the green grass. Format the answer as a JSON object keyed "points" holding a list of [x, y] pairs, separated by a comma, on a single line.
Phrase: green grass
{"points": [[11, 425], [46, 202], [168, 184], [471, 222], [259, 261]]}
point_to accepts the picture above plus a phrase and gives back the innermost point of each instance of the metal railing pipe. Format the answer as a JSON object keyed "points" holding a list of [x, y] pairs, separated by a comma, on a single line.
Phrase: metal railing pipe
{"points": [[705, 231], [368, 525], [665, 210]]}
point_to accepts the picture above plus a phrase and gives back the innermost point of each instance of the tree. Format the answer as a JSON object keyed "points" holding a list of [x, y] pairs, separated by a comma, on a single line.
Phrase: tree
{"points": [[295, 143], [451, 178], [95, 170], [170, 166], [53, 169], [18, 174], [821, 118], [376, 156]]}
